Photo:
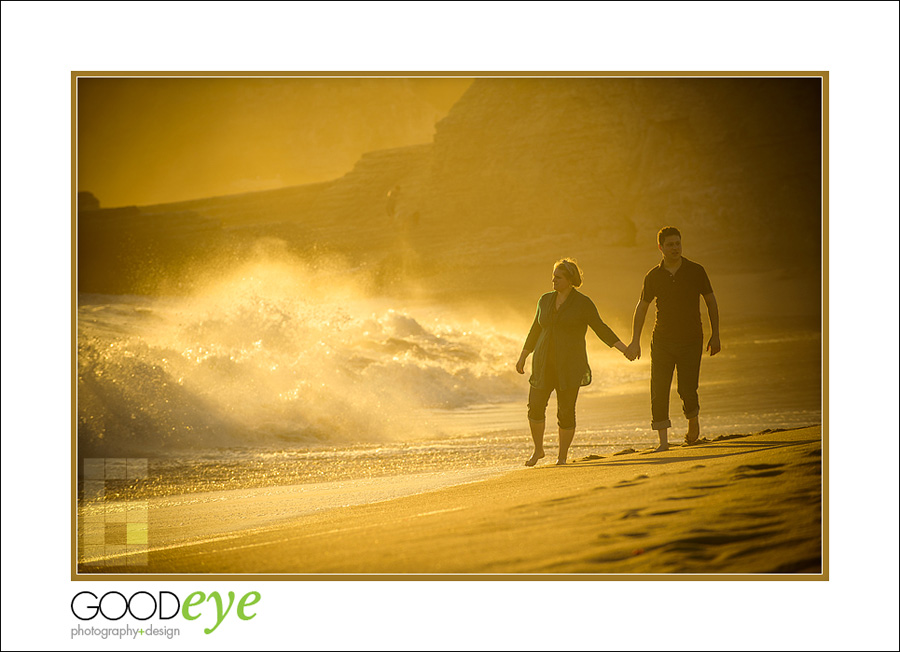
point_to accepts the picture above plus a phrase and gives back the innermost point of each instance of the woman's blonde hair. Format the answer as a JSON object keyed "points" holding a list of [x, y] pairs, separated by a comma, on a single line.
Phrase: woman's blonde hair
{"points": [[571, 269]]}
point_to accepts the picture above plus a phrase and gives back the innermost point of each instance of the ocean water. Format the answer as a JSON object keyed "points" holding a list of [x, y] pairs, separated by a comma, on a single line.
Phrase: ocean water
{"points": [[279, 375]]}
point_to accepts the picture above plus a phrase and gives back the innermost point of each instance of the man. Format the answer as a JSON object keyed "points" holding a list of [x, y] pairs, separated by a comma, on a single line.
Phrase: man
{"points": [[677, 285]]}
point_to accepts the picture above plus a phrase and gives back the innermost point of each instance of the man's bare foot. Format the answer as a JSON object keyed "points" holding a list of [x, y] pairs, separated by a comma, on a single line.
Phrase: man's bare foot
{"points": [[661, 448], [534, 458], [693, 432], [560, 462]]}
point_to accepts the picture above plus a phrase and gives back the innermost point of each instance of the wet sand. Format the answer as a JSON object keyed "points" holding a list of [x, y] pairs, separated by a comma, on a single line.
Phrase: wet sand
{"points": [[746, 504]]}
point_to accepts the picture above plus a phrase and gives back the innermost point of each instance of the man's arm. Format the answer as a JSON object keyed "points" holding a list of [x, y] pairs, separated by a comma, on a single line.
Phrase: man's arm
{"points": [[640, 314], [714, 345]]}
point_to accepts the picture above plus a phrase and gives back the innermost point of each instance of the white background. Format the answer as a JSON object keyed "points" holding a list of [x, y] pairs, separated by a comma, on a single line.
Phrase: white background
{"points": [[857, 43]]}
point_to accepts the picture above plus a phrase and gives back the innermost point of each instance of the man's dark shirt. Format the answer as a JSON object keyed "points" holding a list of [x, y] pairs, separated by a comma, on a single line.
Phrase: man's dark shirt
{"points": [[677, 300]]}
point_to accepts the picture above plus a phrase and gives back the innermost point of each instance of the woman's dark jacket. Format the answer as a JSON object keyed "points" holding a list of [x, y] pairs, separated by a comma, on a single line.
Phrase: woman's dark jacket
{"points": [[564, 330]]}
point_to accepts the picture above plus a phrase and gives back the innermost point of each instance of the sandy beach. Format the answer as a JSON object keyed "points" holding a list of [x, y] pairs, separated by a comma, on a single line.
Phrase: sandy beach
{"points": [[739, 505]]}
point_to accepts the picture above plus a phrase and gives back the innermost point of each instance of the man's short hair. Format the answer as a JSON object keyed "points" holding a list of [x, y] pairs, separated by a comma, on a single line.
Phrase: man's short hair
{"points": [[665, 232]]}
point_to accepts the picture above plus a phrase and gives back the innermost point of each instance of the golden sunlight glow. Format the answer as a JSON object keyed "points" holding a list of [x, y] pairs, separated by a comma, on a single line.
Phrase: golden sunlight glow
{"points": [[148, 141]]}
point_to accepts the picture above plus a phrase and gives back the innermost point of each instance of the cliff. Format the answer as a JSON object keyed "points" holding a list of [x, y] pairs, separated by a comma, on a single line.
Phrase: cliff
{"points": [[593, 166], [617, 159]]}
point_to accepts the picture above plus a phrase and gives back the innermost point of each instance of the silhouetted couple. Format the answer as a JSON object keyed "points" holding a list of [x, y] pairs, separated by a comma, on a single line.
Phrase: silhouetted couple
{"points": [[557, 338]]}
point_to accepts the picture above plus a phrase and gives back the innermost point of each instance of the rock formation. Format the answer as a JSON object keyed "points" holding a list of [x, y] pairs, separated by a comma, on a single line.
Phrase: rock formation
{"points": [[87, 201], [603, 163]]}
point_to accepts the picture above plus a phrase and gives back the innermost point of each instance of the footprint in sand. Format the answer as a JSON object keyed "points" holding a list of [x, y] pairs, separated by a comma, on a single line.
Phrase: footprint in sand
{"points": [[558, 501], [720, 538], [757, 514], [757, 471], [630, 483], [809, 565], [815, 467], [667, 512], [727, 437]]}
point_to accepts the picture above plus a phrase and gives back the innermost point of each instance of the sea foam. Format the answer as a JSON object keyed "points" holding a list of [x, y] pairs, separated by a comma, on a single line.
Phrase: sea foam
{"points": [[274, 354]]}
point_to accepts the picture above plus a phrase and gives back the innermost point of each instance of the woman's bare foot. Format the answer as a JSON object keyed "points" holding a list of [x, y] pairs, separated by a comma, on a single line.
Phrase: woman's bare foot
{"points": [[560, 462], [661, 448], [534, 458]]}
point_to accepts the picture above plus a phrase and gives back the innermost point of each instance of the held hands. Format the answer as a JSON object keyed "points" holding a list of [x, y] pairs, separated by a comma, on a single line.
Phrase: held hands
{"points": [[714, 345], [633, 351], [627, 350]]}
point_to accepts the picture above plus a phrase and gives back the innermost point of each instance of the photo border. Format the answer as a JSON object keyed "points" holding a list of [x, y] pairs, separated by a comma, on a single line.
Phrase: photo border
{"points": [[823, 576]]}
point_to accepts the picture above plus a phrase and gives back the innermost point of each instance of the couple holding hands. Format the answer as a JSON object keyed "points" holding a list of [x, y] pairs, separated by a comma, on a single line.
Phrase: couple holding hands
{"points": [[557, 338]]}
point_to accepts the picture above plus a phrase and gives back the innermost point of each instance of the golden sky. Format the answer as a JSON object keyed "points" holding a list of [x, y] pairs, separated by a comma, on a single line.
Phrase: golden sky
{"points": [[146, 140]]}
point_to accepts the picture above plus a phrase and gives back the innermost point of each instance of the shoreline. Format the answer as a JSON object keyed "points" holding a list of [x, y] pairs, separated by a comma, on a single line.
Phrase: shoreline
{"points": [[183, 520], [738, 505]]}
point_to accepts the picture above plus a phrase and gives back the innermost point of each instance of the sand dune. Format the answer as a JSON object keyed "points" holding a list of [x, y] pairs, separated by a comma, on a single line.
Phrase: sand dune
{"points": [[746, 505]]}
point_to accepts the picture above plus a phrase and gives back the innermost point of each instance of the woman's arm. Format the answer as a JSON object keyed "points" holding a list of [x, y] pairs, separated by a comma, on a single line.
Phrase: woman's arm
{"points": [[530, 341], [520, 365], [604, 332], [597, 325]]}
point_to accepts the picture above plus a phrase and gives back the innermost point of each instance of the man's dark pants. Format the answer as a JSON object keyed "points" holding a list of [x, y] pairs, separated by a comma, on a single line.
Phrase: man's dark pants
{"points": [[665, 358]]}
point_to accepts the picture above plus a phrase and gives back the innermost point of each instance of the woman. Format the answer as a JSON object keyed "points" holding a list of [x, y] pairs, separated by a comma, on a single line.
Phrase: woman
{"points": [[560, 357]]}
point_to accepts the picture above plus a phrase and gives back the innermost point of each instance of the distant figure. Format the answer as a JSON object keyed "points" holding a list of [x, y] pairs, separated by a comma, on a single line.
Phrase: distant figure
{"points": [[560, 360], [391, 205], [677, 285]]}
